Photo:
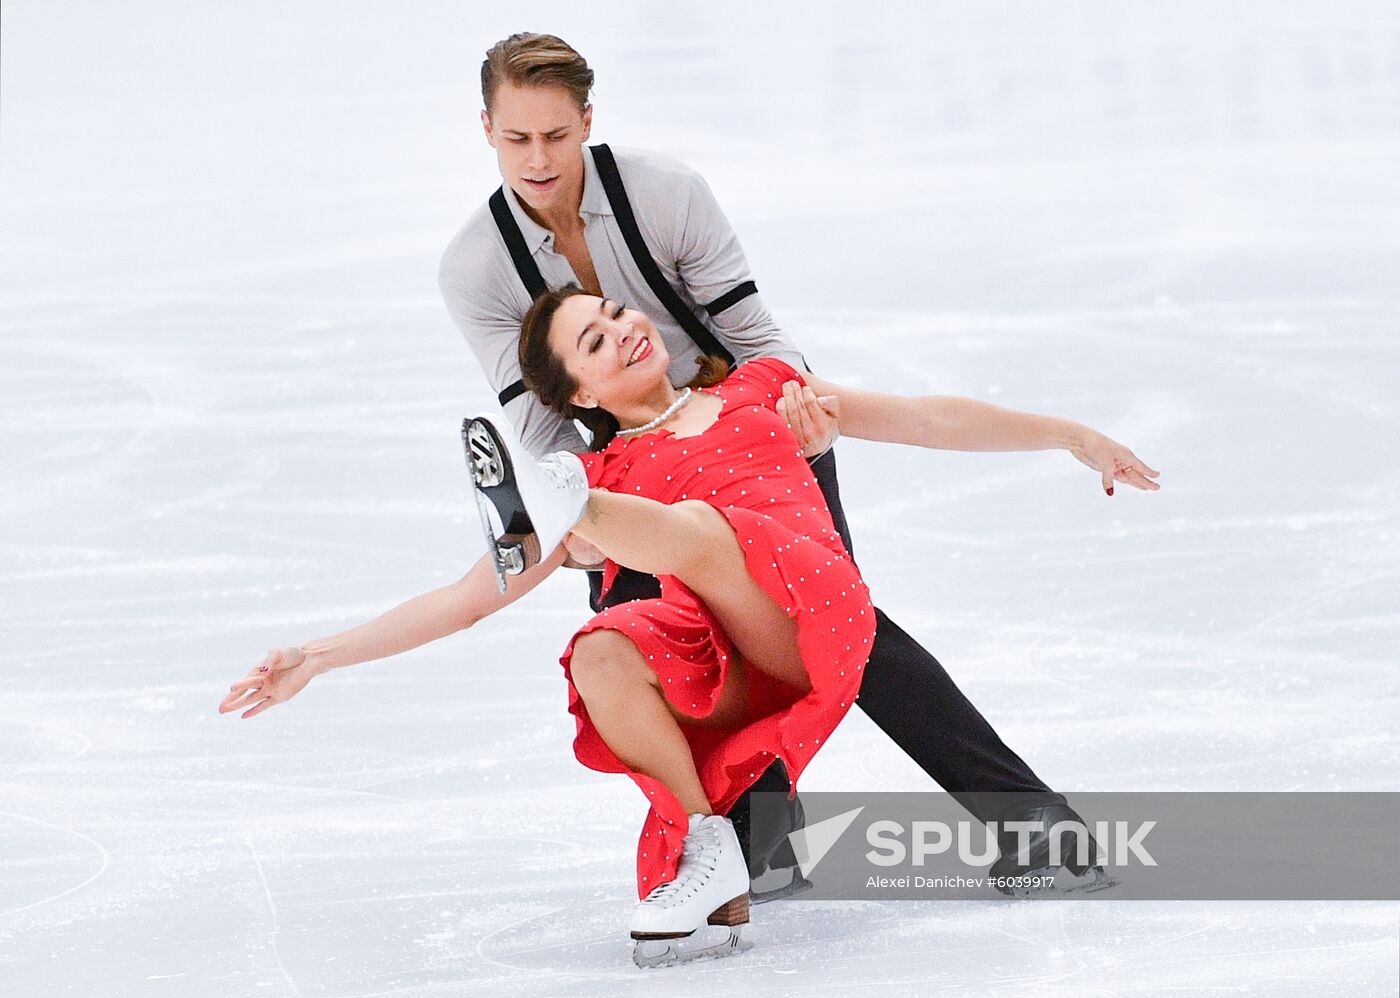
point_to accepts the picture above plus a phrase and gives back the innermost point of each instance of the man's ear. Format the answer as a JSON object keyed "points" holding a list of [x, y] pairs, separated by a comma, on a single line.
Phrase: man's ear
{"points": [[486, 127], [587, 121]]}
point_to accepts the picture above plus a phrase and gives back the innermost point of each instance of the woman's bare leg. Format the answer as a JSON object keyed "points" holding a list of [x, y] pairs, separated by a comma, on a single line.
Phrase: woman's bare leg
{"points": [[625, 703], [692, 541]]}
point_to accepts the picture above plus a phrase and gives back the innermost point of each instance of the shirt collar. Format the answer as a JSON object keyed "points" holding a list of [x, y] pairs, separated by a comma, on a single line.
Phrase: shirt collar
{"points": [[594, 202], [595, 199]]}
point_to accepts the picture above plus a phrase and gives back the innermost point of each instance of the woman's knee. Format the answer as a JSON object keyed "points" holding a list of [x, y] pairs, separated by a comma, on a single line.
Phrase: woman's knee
{"points": [[605, 660]]}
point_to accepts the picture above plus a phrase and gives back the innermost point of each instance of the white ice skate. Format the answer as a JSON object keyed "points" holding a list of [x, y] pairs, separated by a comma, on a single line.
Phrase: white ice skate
{"points": [[711, 889], [526, 506]]}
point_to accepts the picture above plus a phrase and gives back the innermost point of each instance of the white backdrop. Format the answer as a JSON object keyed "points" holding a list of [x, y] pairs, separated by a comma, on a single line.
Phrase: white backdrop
{"points": [[229, 400]]}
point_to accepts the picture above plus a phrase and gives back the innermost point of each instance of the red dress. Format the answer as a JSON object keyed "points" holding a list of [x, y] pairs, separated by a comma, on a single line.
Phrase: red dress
{"points": [[748, 465]]}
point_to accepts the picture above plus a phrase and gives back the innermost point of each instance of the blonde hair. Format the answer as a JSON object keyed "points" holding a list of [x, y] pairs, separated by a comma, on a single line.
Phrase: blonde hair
{"points": [[526, 59]]}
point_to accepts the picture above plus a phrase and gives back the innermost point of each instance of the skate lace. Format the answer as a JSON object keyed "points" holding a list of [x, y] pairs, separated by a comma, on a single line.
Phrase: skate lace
{"points": [[562, 472], [699, 860]]}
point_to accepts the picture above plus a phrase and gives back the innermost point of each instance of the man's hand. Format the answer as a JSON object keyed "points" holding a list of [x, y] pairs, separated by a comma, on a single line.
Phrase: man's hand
{"points": [[814, 419], [1114, 462]]}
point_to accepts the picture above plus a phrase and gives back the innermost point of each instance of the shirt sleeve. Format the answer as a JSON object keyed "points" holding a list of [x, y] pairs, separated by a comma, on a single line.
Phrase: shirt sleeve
{"points": [[491, 326], [712, 264]]}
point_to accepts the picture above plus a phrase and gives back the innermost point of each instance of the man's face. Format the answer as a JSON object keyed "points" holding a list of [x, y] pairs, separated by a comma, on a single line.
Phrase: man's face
{"points": [[538, 134]]}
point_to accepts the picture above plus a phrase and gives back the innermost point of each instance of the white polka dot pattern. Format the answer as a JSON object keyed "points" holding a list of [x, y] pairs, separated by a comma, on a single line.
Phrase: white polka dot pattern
{"points": [[804, 570]]}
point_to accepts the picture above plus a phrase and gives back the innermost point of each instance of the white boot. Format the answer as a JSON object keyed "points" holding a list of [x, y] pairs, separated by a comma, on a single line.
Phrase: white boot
{"points": [[526, 506], [711, 885]]}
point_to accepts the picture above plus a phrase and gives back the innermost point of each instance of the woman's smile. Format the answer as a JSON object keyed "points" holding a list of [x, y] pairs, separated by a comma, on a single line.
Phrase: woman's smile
{"points": [[641, 352]]}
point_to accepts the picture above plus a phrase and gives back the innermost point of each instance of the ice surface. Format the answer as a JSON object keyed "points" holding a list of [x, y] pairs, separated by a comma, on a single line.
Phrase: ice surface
{"points": [[229, 400]]}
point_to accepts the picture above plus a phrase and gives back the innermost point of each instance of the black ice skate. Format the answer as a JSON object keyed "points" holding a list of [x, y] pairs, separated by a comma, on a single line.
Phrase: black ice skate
{"points": [[1071, 877], [773, 870]]}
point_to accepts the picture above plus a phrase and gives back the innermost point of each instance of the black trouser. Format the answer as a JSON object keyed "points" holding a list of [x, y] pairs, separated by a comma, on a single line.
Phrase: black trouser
{"points": [[908, 694]]}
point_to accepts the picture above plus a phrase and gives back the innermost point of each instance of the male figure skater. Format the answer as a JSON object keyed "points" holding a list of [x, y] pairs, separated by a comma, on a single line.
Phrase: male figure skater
{"points": [[640, 228]]}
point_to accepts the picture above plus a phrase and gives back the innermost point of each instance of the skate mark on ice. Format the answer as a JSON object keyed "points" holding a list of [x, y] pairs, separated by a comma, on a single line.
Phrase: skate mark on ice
{"points": [[84, 742], [615, 939], [106, 861], [299, 793], [784, 939], [393, 774], [115, 456], [1011, 539], [272, 907], [1294, 609]]}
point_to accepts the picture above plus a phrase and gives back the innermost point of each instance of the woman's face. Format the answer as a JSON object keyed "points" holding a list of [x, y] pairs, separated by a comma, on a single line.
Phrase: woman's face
{"points": [[613, 352]]}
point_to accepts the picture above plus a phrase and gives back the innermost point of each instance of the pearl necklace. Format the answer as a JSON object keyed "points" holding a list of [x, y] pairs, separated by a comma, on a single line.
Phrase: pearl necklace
{"points": [[671, 410]]}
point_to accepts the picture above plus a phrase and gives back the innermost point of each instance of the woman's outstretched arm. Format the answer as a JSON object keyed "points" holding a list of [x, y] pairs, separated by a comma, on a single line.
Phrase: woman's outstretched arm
{"points": [[950, 422], [285, 671]]}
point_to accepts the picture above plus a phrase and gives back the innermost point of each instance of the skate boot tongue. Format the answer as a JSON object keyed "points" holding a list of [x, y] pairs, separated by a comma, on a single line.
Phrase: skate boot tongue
{"points": [[695, 820]]}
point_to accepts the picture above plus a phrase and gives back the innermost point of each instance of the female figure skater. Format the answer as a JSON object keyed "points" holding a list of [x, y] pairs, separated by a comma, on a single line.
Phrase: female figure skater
{"points": [[756, 646]]}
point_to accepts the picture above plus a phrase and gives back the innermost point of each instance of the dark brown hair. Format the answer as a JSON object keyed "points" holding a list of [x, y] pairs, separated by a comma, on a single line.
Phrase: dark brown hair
{"points": [[530, 60], [543, 370]]}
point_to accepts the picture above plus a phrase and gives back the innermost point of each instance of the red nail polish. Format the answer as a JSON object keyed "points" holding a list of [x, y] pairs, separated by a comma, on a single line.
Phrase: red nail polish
{"points": [[1109, 490]]}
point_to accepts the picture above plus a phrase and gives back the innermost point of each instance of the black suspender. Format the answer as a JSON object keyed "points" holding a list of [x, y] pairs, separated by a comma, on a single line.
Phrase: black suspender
{"points": [[530, 274], [535, 284], [732, 297], [641, 256]]}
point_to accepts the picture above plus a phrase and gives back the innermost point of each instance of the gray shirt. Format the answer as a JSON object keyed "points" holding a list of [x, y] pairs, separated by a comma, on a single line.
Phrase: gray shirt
{"points": [[690, 239]]}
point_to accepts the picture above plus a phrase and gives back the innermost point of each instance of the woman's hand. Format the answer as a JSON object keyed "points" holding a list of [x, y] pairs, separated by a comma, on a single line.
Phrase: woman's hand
{"points": [[282, 675], [1113, 461], [814, 419]]}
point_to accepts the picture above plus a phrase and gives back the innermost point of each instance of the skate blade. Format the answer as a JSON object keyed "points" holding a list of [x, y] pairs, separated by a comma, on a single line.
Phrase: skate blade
{"points": [[484, 512], [710, 942], [1065, 884], [770, 887]]}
